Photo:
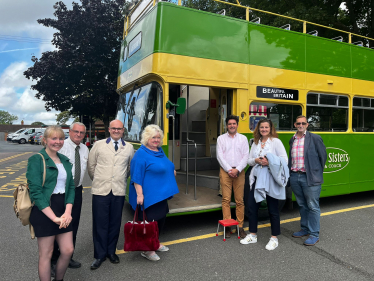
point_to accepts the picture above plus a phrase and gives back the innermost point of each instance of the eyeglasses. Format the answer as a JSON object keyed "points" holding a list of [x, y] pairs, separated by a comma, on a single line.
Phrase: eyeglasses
{"points": [[78, 132], [116, 129], [301, 123]]}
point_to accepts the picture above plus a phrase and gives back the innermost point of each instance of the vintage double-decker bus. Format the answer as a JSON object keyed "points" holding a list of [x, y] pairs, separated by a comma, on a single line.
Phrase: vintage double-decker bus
{"points": [[223, 65]]}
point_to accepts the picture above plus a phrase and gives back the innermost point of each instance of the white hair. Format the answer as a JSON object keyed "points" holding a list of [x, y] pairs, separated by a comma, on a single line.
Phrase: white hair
{"points": [[149, 132], [77, 123]]}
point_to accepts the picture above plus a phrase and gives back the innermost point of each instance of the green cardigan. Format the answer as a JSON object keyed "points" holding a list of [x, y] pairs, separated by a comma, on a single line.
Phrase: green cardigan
{"points": [[41, 195]]}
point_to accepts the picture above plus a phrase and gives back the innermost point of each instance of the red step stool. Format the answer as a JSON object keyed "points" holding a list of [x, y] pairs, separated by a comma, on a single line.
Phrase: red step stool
{"points": [[226, 223]]}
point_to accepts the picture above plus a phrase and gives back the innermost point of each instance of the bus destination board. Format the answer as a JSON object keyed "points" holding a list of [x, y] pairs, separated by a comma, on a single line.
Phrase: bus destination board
{"points": [[277, 93]]}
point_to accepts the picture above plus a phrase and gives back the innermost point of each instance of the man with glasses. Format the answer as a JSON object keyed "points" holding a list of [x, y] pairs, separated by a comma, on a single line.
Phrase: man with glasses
{"points": [[77, 153], [108, 167], [306, 161]]}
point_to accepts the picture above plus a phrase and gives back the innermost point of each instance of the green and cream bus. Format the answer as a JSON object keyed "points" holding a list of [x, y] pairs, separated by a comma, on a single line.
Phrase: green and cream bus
{"points": [[223, 65]]}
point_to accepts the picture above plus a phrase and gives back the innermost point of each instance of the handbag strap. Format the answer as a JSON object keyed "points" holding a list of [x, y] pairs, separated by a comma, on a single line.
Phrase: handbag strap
{"points": [[44, 170], [136, 218]]}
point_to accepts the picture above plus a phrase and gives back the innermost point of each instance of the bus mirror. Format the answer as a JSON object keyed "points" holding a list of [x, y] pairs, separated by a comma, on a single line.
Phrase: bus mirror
{"points": [[181, 108]]}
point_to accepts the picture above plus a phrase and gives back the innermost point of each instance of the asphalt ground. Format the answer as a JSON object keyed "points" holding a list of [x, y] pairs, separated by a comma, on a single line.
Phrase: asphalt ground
{"points": [[345, 250]]}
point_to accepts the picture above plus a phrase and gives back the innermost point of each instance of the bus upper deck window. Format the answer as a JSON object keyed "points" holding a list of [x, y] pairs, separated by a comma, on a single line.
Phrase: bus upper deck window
{"points": [[312, 99], [363, 115], [328, 114], [343, 101], [282, 115], [328, 99]]}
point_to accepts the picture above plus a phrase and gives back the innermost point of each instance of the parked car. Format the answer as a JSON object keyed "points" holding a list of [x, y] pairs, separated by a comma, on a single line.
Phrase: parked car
{"points": [[34, 136], [10, 135], [23, 137], [38, 139]]}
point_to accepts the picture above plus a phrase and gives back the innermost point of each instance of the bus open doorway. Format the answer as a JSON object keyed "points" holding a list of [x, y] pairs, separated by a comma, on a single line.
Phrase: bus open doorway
{"points": [[195, 142]]}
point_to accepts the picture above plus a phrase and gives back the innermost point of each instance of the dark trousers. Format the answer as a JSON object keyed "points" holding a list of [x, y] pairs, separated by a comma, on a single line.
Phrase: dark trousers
{"points": [[253, 213], [106, 223], [76, 215]]}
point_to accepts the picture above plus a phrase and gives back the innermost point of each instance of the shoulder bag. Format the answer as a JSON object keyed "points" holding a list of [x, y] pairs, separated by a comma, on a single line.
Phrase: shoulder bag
{"points": [[22, 203]]}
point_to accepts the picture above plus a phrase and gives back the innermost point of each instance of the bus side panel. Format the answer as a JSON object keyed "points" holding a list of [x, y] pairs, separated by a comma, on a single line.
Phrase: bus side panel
{"points": [[274, 47], [328, 57], [199, 34], [361, 162], [362, 63], [147, 27]]}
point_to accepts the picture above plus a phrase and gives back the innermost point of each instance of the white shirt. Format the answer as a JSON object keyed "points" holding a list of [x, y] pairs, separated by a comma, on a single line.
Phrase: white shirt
{"points": [[61, 179], [274, 146], [232, 151], [119, 143], [69, 151]]}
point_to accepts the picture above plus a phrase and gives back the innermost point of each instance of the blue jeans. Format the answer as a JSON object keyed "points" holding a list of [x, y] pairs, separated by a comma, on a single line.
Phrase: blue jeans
{"points": [[307, 197]]}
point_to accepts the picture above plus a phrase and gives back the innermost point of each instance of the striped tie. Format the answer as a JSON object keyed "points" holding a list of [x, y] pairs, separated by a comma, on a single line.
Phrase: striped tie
{"points": [[77, 176]]}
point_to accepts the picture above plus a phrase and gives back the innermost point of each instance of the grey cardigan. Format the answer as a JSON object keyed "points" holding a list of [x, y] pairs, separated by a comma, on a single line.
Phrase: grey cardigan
{"points": [[315, 157], [270, 180]]}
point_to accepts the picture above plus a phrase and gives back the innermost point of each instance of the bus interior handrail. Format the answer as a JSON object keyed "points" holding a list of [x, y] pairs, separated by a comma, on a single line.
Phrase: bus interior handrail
{"points": [[187, 166], [128, 26]]}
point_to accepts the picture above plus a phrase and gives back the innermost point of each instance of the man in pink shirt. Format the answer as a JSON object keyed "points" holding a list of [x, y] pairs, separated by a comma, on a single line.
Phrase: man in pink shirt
{"points": [[232, 155]]}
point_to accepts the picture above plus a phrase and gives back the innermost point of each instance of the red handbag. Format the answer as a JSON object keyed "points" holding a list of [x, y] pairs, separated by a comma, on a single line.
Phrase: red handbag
{"points": [[141, 235]]}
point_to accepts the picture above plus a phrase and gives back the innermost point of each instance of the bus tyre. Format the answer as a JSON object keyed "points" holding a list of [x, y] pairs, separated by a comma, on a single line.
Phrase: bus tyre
{"points": [[22, 141], [263, 213]]}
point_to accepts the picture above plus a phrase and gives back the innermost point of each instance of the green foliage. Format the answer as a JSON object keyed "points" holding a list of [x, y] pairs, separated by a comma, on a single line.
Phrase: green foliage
{"points": [[63, 117], [81, 74], [6, 118]]}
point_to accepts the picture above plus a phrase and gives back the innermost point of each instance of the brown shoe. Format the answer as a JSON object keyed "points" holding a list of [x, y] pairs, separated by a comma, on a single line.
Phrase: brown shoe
{"points": [[228, 232], [242, 233]]}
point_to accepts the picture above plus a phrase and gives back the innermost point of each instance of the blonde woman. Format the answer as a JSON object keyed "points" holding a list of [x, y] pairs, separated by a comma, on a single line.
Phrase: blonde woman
{"points": [[152, 181], [51, 214]]}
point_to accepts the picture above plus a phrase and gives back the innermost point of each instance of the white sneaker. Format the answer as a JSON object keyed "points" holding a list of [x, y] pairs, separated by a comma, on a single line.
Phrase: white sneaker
{"points": [[272, 244], [249, 239]]}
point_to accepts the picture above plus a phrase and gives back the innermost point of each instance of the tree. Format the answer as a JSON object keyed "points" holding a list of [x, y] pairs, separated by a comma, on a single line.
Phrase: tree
{"points": [[64, 116], [37, 123], [6, 118], [81, 75]]}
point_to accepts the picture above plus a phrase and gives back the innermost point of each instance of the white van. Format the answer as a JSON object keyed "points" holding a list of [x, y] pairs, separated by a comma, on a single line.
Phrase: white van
{"points": [[10, 136], [23, 137]]}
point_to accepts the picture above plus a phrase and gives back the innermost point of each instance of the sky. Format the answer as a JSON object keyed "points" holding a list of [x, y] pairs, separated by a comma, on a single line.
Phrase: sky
{"points": [[21, 37]]}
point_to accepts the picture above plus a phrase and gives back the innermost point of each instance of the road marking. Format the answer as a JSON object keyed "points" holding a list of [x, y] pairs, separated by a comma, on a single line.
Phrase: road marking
{"points": [[14, 156], [6, 196], [210, 235]]}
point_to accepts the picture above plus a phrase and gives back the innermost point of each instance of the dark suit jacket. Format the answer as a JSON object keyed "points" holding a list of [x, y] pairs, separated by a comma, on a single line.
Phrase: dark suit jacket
{"points": [[315, 157]]}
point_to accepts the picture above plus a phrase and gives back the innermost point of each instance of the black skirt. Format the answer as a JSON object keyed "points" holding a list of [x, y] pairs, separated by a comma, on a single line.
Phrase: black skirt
{"points": [[43, 226]]}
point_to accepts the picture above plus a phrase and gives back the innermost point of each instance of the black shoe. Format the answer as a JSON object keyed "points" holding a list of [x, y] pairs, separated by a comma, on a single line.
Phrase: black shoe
{"points": [[74, 264], [113, 258], [53, 270], [96, 264]]}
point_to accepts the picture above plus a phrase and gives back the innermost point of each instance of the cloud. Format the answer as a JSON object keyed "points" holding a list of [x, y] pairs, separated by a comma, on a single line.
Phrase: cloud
{"points": [[28, 103], [13, 76], [7, 96]]}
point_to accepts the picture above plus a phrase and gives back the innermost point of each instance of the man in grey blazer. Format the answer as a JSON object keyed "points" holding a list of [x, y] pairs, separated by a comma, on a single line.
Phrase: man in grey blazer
{"points": [[108, 167], [306, 161]]}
